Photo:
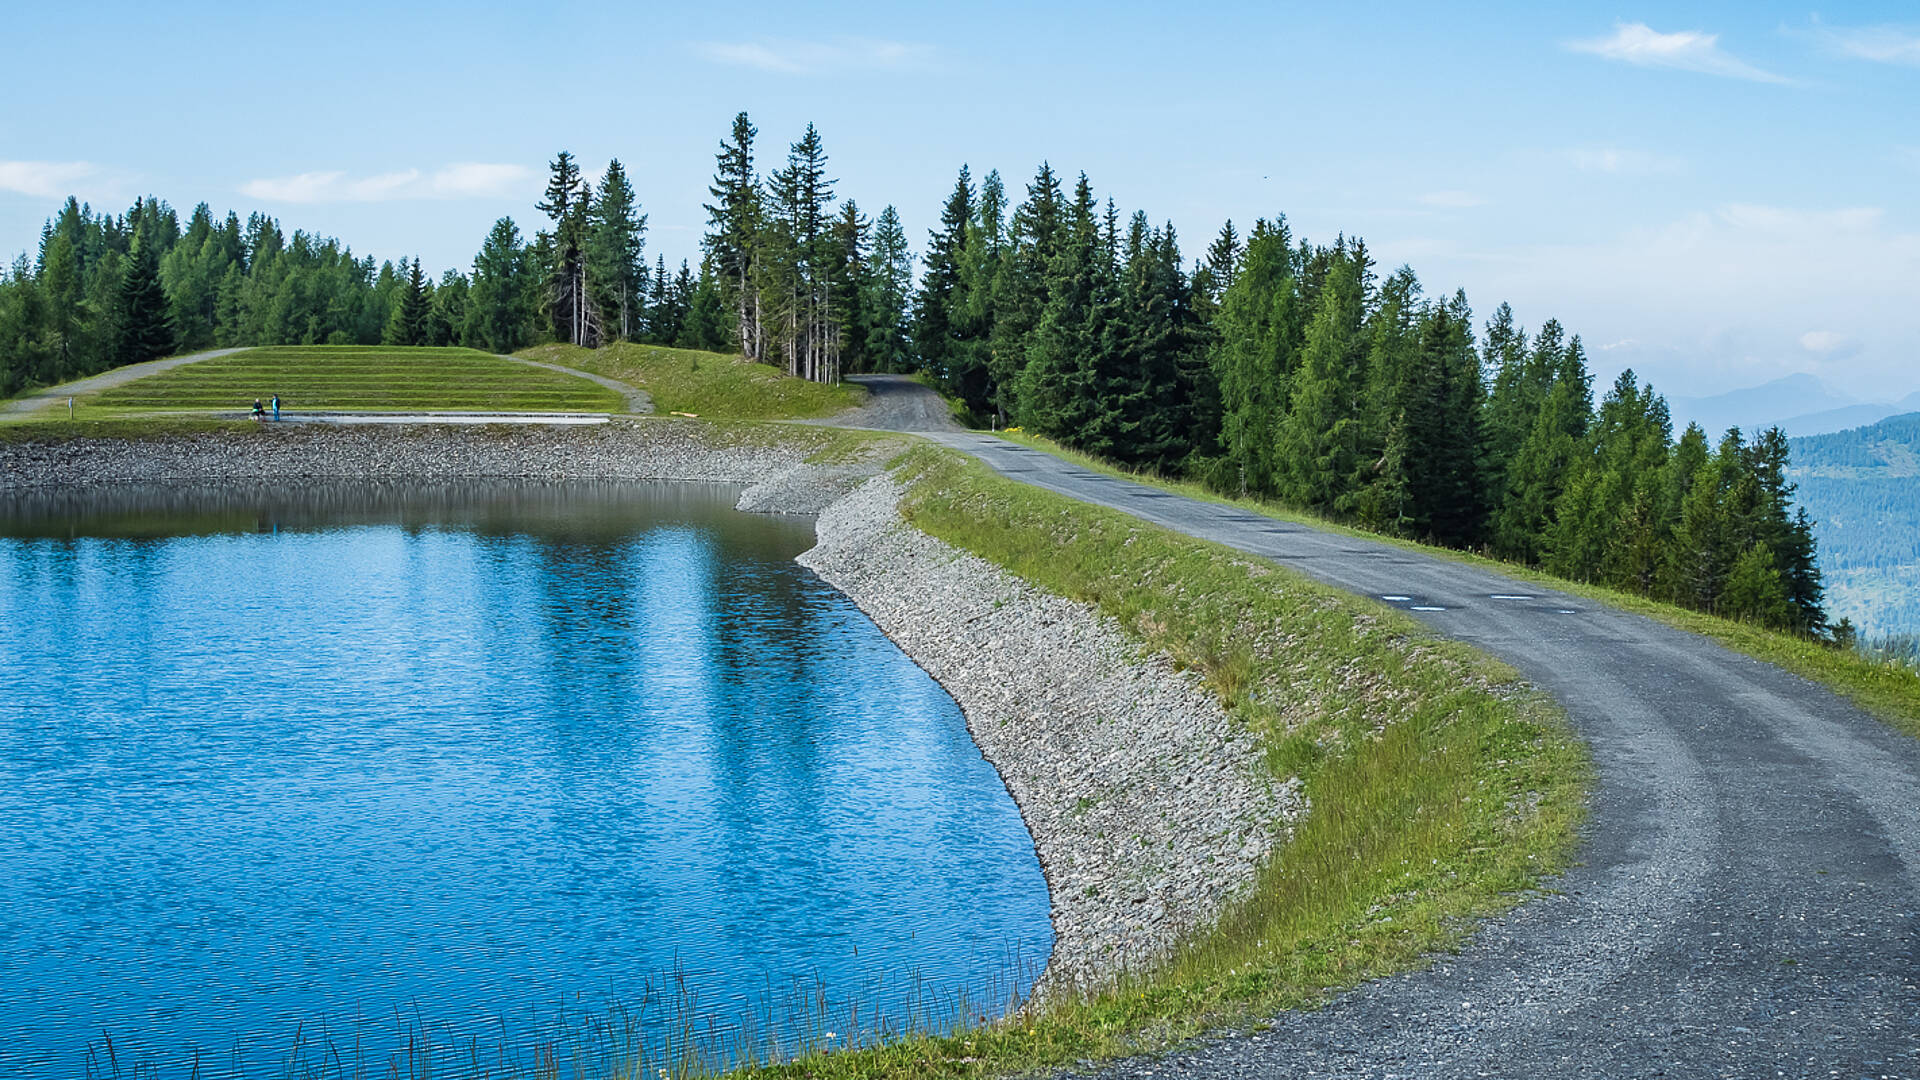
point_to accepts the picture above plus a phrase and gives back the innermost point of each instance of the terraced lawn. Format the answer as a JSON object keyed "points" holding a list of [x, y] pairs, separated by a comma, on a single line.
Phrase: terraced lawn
{"points": [[361, 378]]}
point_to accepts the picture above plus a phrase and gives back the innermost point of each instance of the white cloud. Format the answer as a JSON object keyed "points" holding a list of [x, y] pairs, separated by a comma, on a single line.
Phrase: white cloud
{"points": [[45, 179], [795, 57], [1619, 161], [464, 180], [1453, 200], [1685, 50], [1880, 44], [1828, 343]]}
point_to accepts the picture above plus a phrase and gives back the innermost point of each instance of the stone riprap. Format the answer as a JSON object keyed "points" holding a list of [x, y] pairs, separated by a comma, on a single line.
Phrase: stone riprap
{"points": [[637, 450], [1150, 811]]}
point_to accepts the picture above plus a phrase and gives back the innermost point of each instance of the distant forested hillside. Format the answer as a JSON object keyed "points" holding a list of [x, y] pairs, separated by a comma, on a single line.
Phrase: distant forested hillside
{"points": [[1862, 488], [1888, 448]]}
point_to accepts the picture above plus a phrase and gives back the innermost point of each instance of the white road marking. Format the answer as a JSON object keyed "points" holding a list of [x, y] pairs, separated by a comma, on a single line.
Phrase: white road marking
{"points": [[1510, 596], [1397, 599], [1427, 607]]}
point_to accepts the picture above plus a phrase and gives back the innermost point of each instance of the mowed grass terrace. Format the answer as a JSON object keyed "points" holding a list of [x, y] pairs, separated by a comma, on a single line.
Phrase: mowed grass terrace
{"points": [[359, 378]]}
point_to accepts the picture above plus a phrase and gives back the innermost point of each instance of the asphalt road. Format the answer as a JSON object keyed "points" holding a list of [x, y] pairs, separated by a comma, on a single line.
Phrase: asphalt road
{"points": [[1748, 898]]}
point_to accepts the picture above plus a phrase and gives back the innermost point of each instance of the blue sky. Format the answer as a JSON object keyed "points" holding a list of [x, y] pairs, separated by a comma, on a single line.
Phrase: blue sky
{"points": [[1715, 194]]}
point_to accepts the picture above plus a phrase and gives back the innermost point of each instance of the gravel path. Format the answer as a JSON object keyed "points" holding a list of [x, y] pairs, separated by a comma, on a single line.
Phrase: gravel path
{"points": [[639, 402], [1748, 900], [120, 376], [894, 403]]}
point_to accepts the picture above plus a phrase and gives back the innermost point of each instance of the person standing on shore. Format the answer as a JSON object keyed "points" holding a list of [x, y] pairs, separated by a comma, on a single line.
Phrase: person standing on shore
{"points": [[276, 408]]}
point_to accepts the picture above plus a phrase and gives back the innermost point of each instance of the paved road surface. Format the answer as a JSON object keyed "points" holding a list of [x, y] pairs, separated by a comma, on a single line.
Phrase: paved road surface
{"points": [[1748, 902]]}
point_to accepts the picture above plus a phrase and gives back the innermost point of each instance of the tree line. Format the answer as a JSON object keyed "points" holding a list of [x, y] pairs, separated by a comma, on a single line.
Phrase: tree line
{"points": [[1274, 367], [1289, 370]]}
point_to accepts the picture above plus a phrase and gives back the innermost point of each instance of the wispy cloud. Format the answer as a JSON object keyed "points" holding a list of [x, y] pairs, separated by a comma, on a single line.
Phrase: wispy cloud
{"points": [[795, 57], [1451, 200], [1880, 44], [1684, 50], [45, 179], [464, 180], [1620, 161]]}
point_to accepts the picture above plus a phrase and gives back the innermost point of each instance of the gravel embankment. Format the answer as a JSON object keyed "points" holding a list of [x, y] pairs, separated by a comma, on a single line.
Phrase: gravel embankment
{"points": [[644, 450], [1149, 809]]}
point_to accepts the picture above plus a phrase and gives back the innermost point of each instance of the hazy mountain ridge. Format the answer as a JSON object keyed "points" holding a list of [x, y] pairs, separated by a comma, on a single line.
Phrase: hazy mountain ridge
{"points": [[1799, 404]]}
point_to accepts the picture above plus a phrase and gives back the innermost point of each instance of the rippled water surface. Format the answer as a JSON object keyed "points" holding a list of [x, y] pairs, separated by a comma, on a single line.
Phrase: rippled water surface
{"points": [[472, 765]]}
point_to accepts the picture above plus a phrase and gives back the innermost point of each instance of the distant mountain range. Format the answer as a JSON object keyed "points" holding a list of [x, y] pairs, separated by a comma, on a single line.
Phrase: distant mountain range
{"points": [[1862, 489], [1798, 404]]}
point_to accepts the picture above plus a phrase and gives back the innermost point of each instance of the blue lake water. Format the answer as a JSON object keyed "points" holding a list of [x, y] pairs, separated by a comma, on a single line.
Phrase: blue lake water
{"points": [[312, 776]]}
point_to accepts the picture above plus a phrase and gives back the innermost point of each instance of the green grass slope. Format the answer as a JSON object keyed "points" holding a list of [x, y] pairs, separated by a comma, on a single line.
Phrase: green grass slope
{"points": [[1440, 790], [359, 378], [704, 383]]}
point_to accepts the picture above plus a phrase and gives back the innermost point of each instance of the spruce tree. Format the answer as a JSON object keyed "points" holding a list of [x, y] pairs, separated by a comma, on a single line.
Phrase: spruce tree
{"points": [[1020, 287], [1319, 443], [411, 309], [1260, 331], [941, 292], [733, 232], [500, 304], [887, 292], [616, 237], [144, 321]]}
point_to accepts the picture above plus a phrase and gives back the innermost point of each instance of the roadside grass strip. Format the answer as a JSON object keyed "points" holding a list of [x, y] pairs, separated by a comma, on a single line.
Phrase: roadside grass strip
{"points": [[705, 384], [1442, 789], [1888, 689], [312, 378]]}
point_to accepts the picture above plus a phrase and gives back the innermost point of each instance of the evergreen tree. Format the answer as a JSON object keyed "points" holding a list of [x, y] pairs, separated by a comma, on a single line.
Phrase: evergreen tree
{"points": [[407, 325], [1260, 330], [1020, 287], [144, 323], [616, 236], [571, 310], [1539, 472], [1319, 443], [732, 240], [500, 301], [941, 353], [888, 291]]}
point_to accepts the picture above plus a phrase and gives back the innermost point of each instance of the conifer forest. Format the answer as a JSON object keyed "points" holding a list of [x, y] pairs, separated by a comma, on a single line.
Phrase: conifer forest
{"points": [[1268, 365]]}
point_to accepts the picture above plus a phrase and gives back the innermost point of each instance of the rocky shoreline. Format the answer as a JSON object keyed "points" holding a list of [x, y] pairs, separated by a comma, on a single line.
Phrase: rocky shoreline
{"points": [[1149, 810]]}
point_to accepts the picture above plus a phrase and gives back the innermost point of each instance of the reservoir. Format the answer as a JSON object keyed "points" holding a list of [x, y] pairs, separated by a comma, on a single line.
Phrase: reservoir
{"points": [[370, 776]]}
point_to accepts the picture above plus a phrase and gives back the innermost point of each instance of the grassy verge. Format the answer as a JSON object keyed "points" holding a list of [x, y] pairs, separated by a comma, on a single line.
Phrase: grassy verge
{"points": [[311, 377], [1440, 790], [703, 383], [1890, 691]]}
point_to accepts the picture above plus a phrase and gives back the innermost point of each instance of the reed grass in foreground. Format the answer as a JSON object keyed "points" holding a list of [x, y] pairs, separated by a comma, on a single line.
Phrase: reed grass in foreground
{"points": [[709, 385], [1888, 689]]}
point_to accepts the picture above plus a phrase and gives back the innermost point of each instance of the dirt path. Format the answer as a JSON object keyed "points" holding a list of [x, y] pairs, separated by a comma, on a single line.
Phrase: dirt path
{"points": [[106, 380], [638, 401], [894, 403]]}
